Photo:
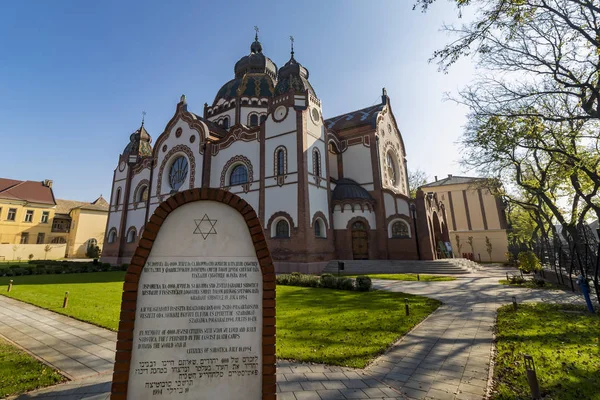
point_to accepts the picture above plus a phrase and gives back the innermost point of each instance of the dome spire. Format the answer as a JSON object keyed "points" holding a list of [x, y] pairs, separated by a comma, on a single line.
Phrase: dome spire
{"points": [[292, 41], [256, 47]]}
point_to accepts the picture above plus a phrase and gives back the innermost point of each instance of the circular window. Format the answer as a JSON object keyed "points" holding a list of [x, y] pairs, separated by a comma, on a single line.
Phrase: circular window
{"points": [[391, 169], [315, 115], [178, 172]]}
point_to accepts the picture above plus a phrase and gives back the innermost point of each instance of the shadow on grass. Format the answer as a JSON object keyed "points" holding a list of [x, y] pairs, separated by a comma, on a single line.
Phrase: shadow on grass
{"points": [[343, 327], [84, 277]]}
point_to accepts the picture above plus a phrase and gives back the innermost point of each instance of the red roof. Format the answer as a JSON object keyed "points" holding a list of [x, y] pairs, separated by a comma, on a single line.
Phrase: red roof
{"points": [[31, 191]]}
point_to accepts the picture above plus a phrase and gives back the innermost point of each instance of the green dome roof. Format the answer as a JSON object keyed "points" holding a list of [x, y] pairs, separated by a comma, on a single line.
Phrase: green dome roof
{"points": [[251, 85]]}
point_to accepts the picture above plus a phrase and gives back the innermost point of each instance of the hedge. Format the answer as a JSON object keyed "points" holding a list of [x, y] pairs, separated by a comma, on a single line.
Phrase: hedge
{"points": [[43, 267], [329, 281]]}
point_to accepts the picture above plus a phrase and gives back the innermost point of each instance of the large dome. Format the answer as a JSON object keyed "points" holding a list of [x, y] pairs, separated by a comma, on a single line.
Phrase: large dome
{"points": [[255, 75]]}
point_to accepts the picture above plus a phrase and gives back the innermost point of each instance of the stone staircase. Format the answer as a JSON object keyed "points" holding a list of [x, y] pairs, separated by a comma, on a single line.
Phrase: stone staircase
{"points": [[451, 266]]}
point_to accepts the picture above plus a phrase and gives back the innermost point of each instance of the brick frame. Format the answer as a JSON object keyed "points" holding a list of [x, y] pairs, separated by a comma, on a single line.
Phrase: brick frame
{"points": [[130, 287]]}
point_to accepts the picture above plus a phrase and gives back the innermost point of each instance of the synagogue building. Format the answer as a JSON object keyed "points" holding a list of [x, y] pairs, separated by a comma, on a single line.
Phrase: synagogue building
{"points": [[324, 189]]}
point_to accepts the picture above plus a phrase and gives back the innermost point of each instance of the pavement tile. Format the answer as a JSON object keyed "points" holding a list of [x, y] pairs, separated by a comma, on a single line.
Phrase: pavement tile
{"points": [[307, 395], [333, 394]]}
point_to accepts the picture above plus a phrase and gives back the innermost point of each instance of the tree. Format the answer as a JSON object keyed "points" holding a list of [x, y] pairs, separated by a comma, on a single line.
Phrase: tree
{"points": [[470, 242], [416, 179], [488, 247], [47, 249], [536, 51], [14, 249], [459, 246], [93, 252]]}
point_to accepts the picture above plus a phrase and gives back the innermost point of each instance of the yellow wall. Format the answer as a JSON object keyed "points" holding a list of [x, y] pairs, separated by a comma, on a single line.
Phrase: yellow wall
{"points": [[85, 225], [477, 229], [9, 252], [10, 231]]}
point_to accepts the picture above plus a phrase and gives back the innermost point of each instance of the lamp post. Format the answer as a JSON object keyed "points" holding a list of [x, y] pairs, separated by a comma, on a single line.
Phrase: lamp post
{"points": [[413, 210]]}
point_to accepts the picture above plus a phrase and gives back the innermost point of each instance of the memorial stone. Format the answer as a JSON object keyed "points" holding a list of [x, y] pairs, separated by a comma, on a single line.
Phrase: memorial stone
{"points": [[198, 311]]}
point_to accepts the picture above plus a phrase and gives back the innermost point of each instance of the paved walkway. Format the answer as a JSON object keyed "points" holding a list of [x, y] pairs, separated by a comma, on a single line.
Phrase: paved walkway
{"points": [[445, 357]]}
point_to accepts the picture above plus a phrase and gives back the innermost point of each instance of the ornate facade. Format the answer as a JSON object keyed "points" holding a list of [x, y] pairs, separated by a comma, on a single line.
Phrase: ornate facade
{"points": [[323, 189]]}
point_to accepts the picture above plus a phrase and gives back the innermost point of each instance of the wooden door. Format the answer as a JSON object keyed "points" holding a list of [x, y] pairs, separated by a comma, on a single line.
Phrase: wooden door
{"points": [[360, 241]]}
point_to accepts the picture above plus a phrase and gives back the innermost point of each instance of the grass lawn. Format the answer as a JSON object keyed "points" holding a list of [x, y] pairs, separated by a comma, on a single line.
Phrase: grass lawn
{"points": [[529, 284], [19, 372], [321, 325], [93, 297], [406, 277], [563, 341]]}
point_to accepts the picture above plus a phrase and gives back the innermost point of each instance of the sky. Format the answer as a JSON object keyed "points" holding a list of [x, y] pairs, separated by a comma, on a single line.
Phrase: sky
{"points": [[75, 76]]}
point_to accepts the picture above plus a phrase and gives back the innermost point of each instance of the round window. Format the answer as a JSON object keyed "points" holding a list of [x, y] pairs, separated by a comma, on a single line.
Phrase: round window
{"points": [[391, 170], [315, 115], [178, 172]]}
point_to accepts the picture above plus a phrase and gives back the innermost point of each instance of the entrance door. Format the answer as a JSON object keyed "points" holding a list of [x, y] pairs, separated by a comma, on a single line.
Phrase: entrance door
{"points": [[360, 241]]}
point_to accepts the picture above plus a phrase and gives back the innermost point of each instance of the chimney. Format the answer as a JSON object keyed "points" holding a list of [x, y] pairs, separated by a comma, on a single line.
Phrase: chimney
{"points": [[449, 175], [435, 178], [47, 183]]}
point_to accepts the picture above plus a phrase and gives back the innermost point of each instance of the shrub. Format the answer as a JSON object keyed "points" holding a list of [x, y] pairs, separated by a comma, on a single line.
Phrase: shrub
{"points": [[516, 280], [344, 284], [528, 262], [510, 257], [363, 283], [114, 268], [124, 267], [538, 282], [328, 281], [40, 270]]}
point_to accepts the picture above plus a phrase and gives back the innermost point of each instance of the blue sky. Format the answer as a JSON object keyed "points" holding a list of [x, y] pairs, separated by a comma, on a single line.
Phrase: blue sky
{"points": [[75, 76]]}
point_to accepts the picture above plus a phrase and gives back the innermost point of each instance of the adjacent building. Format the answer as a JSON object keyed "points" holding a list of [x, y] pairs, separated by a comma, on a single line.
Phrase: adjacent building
{"points": [[323, 188], [476, 218], [33, 224]]}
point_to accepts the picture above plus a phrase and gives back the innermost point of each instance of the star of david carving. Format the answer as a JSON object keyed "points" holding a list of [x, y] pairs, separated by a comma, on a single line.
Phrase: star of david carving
{"points": [[205, 226]]}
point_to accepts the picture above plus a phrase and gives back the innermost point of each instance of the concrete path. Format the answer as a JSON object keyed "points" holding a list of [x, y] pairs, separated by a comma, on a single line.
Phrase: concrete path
{"points": [[446, 357], [76, 348]]}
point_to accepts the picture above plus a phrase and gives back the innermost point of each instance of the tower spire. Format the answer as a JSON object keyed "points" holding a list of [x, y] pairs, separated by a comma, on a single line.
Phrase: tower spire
{"points": [[256, 35], [292, 41], [143, 117]]}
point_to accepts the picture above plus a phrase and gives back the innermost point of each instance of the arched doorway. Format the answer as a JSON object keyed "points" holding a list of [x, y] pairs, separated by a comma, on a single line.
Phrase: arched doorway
{"points": [[360, 241]]}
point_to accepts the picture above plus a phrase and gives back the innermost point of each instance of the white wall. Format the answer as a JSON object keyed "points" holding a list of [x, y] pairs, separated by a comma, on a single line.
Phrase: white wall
{"points": [[403, 207], [24, 250], [390, 206], [284, 198], [357, 164], [274, 128], [341, 219], [250, 150]]}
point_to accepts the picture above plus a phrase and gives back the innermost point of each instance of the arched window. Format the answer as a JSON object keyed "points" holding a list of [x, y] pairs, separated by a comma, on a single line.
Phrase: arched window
{"points": [[316, 162], [263, 118], [118, 197], [400, 230], [112, 236], [239, 175], [319, 228], [280, 160], [282, 229], [143, 194], [390, 167], [254, 120], [359, 226], [226, 123], [178, 172], [131, 235]]}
